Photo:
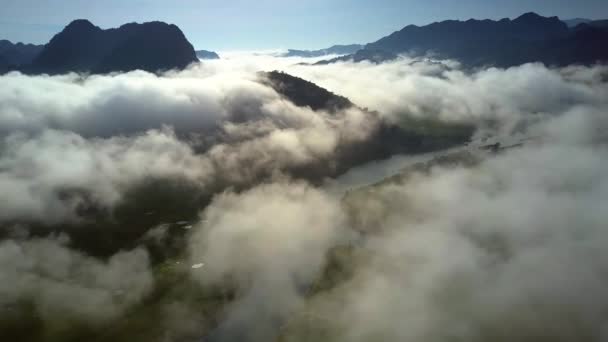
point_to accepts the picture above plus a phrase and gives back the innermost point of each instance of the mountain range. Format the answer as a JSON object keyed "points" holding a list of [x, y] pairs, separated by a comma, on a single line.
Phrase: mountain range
{"points": [[502, 43], [157, 46]]}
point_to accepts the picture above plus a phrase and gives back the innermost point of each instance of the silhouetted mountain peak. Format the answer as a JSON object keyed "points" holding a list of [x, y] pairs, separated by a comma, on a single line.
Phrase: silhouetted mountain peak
{"points": [[81, 25], [530, 17], [533, 20], [84, 47], [149, 25]]}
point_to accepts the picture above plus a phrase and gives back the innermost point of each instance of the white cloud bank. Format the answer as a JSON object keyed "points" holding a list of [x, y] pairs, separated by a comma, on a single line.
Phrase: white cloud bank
{"points": [[511, 249]]}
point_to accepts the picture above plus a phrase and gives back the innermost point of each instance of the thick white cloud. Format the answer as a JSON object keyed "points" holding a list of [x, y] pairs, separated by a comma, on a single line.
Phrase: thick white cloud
{"points": [[102, 134], [509, 249], [123, 103], [442, 90], [37, 173], [271, 241]]}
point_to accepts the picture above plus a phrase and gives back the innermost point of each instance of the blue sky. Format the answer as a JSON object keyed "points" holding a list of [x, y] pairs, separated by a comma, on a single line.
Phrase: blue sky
{"points": [[268, 24]]}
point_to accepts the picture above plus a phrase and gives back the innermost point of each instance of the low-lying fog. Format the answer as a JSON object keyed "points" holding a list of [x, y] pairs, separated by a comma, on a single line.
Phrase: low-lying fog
{"points": [[510, 248]]}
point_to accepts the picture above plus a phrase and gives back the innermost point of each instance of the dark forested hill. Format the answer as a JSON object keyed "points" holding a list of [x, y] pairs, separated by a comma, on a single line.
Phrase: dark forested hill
{"points": [[303, 93]]}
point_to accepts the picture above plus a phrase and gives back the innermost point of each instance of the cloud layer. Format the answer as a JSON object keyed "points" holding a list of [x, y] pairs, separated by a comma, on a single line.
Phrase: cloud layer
{"points": [[271, 241], [501, 97], [510, 248], [114, 131]]}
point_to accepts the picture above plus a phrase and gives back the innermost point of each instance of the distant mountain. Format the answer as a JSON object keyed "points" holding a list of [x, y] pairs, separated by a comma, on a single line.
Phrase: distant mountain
{"points": [[19, 53], [204, 54], [83, 47], [373, 56], [503, 43], [455, 37], [576, 21], [478, 42], [334, 50]]}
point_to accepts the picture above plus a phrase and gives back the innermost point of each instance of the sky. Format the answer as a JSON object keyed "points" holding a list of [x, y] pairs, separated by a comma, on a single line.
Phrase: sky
{"points": [[224, 25]]}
